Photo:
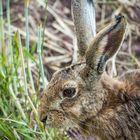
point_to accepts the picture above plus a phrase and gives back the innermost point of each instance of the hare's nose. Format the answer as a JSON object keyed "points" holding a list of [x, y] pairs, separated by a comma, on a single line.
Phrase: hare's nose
{"points": [[44, 119], [47, 118]]}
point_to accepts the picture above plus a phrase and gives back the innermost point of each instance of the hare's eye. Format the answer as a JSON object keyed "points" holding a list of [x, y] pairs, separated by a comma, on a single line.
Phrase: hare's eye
{"points": [[69, 92]]}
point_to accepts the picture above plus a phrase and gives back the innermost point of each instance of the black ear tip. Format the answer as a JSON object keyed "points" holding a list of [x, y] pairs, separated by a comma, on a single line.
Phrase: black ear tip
{"points": [[119, 17]]}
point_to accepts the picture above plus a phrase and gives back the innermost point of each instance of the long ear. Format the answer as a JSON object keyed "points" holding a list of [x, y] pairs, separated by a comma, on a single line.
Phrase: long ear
{"points": [[83, 12], [106, 44]]}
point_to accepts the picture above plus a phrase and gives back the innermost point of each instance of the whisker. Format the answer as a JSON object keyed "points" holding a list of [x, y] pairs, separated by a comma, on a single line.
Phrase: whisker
{"points": [[78, 121], [75, 121], [88, 132]]}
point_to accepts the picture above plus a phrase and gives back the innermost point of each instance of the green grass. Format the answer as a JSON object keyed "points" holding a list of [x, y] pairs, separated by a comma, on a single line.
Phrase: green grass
{"points": [[18, 97]]}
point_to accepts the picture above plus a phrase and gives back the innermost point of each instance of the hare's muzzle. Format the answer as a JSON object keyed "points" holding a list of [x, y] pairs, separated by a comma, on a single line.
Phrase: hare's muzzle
{"points": [[53, 119]]}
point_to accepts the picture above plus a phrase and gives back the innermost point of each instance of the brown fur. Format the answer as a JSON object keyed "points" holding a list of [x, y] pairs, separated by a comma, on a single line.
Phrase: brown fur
{"points": [[120, 114], [119, 109], [101, 106]]}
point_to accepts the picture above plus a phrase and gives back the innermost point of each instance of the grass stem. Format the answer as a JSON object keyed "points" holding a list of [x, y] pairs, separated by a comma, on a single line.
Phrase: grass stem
{"points": [[2, 44], [9, 33], [27, 42], [25, 83], [18, 105], [39, 50]]}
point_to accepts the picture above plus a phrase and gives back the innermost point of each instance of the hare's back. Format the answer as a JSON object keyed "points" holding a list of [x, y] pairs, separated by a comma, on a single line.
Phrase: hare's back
{"points": [[132, 80]]}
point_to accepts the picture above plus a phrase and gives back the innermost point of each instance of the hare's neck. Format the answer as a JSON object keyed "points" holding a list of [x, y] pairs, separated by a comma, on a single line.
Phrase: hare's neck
{"points": [[100, 89]]}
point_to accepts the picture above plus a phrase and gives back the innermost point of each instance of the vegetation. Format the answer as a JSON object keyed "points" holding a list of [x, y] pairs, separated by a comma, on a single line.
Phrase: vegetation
{"points": [[19, 98], [22, 54]]}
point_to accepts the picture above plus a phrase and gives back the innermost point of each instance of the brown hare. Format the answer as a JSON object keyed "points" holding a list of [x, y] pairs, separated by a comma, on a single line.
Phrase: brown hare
{"points": [[83, 96]]}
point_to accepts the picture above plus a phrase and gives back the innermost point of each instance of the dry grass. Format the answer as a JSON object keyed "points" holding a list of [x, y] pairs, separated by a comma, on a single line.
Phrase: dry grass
{"points": [[57, 47], [59, 32]]}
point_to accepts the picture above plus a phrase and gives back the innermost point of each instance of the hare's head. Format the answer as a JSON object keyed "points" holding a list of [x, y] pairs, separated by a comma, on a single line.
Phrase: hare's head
{"points": [[75, 93]]}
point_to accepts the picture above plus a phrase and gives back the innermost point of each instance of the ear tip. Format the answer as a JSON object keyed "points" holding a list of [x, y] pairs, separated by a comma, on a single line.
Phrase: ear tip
{"points": [[121, 20], [119, 17]]}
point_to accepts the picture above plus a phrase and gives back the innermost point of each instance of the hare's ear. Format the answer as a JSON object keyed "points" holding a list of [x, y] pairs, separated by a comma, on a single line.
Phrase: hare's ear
{"points": [[106, 43]]}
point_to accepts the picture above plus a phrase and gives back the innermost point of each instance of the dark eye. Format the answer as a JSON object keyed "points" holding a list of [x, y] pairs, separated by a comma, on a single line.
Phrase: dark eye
{"points": [[69, 92]]}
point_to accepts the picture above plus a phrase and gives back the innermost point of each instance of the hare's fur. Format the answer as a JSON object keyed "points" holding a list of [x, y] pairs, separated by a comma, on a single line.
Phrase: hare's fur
{"points": [[84, 96], [109, 110]]}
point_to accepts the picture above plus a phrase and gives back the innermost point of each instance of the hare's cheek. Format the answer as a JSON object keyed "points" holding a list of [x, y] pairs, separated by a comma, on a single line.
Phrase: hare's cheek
{"points": [[71, 107], [54, 119], [67, 103]]}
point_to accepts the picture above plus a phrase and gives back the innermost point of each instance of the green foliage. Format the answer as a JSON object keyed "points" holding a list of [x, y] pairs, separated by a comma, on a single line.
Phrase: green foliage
{"points": [[6, 131], [18, 111]]}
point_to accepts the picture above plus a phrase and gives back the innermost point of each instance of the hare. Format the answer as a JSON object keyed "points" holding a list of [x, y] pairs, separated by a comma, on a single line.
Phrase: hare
{"points": [[83, 96]]}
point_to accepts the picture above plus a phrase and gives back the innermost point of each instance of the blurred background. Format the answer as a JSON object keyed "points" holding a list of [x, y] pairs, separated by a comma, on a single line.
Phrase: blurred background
{"points": [[59, 30], [45, 29]]}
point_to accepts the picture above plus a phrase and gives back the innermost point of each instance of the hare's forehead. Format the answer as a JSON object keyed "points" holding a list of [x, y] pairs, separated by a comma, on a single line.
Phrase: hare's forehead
{"points": [[67, 73], [57, 83]]}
